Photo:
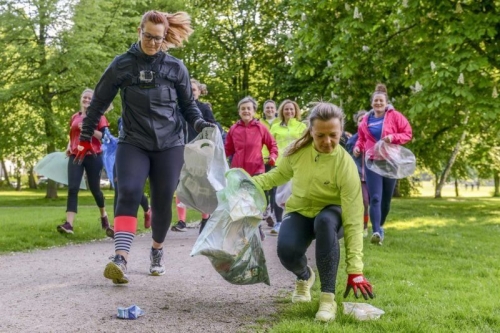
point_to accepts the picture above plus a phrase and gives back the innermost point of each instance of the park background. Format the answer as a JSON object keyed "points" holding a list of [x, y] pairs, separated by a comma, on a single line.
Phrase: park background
{"points": [[439, 59]]}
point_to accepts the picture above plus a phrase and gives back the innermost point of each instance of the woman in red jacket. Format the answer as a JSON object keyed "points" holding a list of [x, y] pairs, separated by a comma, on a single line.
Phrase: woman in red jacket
{"points": [[381, 123], [245, 140], [91, 164]]}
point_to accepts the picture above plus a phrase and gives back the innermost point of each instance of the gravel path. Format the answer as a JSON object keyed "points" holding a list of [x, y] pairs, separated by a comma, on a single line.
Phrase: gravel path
{"points": [[63, 290]]}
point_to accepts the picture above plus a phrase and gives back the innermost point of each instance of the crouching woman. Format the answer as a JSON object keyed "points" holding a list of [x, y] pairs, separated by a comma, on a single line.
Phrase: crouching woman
{"points": [[326, 204]]}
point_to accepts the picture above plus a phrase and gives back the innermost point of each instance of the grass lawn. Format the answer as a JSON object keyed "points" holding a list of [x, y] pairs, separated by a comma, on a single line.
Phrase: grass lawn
{"points": [[28, 221], [436, 271]]}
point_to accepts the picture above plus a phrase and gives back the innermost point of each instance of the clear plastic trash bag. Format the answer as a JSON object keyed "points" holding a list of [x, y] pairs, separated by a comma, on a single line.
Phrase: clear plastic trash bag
{"points": [[202, 174], [109, 145], [390, 160], [231, 238], [55, 166], [362, 311], [283, 192]]}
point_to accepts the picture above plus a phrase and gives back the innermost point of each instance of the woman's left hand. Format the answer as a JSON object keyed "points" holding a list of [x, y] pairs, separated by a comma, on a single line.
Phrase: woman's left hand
{"points": [[357, 282], [387, 139]]}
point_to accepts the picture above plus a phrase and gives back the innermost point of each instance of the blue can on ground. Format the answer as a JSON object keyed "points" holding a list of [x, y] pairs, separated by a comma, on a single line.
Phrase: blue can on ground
{"points": [[132, 312]]}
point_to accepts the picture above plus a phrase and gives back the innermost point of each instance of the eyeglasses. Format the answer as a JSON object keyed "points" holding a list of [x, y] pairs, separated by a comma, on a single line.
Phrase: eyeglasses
{"points": [[148, 37]]}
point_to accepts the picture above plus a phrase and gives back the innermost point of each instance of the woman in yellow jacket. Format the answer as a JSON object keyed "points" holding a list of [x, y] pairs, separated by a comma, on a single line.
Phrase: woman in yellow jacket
{"points": [[289, 129], [270, 117], [326, 204]]}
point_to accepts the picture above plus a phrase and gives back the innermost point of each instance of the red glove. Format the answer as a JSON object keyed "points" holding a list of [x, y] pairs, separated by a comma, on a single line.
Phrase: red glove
{"points": [[358, 281], [83, 148], [271, 162]]}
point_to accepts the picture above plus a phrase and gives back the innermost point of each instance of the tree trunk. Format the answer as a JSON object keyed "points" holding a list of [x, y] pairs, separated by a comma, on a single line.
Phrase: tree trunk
{"points": [[5, 172], [51, 190], [496, 180], [453, 157], [397, 192], [31, 179], [457, 194]]}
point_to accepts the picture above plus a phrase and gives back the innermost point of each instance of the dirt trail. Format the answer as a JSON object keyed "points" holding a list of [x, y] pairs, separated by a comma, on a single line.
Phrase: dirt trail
{"points": [[63, 290]]}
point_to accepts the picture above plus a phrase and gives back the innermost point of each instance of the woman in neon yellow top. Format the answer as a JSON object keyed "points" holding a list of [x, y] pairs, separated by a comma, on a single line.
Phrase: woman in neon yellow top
{"points": [[269, 118], [289, 129], [326, 200]]}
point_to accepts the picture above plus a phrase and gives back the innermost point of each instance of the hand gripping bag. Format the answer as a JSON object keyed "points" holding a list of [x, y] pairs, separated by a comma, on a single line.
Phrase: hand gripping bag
{"points": [[390, 160], [202, 175], [231, 238]]}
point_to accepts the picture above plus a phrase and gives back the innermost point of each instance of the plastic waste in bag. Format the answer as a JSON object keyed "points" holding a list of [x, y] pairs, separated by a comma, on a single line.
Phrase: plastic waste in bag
{"points": [[231, 238], [203, 172], [362, 311], [109, 145], [390, 160]]}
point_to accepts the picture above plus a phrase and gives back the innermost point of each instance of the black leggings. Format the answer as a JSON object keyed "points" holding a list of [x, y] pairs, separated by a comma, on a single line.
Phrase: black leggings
{"points": [[93, 167], [144, 199], [270, 194], [133, 166], [296, 234]]}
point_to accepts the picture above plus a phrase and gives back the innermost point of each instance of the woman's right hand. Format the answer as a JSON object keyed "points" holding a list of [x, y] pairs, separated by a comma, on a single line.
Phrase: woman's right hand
{"points": [[356, 151]]}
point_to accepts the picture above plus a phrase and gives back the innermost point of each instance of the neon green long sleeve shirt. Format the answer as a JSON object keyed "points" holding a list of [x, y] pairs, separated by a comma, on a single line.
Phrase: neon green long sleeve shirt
{"points": [[286, 134], [319, 180]]}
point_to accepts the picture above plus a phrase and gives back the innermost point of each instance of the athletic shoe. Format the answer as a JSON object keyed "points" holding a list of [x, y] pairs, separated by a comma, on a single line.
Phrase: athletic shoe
{"points": [[276, 230], [116, 270], [180, 226], [270, 221], [382, 234], [157, 268], [147, 219], [203, 223], [65, 228], [261, 234], [365, 233], [302, 292], [376, 239], [327, 307]]}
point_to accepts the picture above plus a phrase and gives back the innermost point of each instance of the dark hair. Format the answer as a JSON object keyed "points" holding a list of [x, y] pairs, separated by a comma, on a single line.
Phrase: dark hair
{"points": [[323, 111], [380, 89], [358, 115], [177, 27]]}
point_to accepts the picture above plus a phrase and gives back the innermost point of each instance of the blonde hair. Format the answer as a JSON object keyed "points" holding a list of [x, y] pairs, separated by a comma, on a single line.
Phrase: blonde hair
{"points": [[321, 111], [177, 27], [295, 106], [201, 86]]}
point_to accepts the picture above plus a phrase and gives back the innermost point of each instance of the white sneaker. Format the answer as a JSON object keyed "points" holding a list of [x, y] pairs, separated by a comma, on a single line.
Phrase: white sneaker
{"points": [[302, 292], [276, 229], [327, 307]]}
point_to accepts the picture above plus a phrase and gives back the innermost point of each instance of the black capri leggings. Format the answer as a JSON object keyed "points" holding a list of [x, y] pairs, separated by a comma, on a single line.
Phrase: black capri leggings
{"points": [[93, 167], [133, 166], [296, 234]]}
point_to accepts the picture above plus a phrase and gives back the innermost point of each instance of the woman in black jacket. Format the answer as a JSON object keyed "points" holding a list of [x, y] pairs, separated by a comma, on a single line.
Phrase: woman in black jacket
{"points": [[206, 112], [151, 144]]}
